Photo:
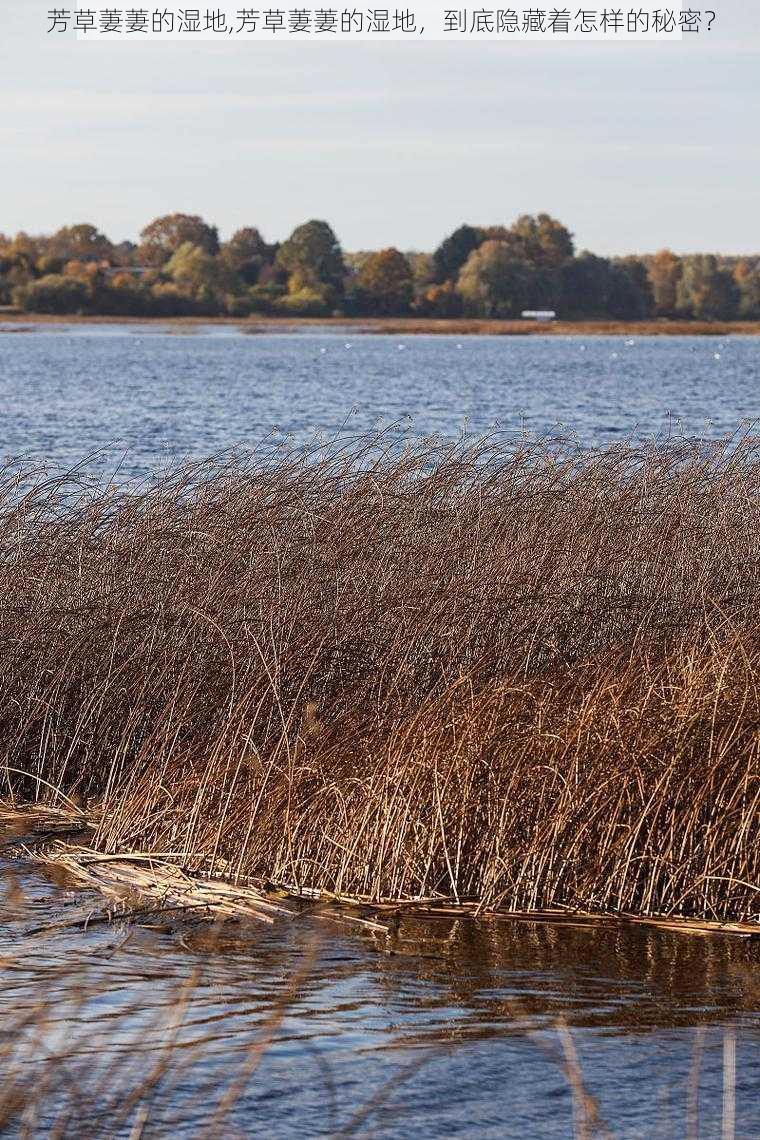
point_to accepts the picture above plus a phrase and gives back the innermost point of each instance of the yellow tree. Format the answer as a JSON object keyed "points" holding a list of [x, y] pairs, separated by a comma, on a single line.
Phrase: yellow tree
{"points": [[665, 270], [747, 278], [386, 283]]}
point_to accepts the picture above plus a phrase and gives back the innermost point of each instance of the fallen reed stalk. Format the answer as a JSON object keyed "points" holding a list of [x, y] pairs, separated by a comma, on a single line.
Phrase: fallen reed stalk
{"points": [[162, 886], [522, 675]]}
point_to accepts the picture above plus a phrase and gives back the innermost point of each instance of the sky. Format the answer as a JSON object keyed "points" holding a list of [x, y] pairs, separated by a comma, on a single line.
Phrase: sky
{"points": [[634, 147]]}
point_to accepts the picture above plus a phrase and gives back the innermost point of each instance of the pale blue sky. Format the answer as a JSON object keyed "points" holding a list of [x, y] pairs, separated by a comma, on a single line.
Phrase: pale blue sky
{"points": [[634, 147]]}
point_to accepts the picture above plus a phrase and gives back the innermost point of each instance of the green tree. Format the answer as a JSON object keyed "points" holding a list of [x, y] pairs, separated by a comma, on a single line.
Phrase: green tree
{"points": [[423, 275], [493, 282], [453, 252], [53, 294], [304, 302], [122, 295], [747, 280], [541, 288], [312, 257], [264, 297], [541, 241], [594, 286], [199, 275], [385, 283], [165, 235], [706, 291], [48, 264], [585, 286], [168, 300], [246, 253], [629, 292], [354, 260]]}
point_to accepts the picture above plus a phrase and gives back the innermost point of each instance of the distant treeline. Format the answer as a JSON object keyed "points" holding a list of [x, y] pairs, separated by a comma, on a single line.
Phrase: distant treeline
{"points": [[180, 268]]}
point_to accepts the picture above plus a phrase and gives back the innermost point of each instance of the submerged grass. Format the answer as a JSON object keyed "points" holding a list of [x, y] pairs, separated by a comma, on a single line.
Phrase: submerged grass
{"points": [[520, 674]]}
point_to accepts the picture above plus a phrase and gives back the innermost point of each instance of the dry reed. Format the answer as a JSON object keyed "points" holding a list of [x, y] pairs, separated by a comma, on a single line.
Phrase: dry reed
{"points": [[522, 674]]}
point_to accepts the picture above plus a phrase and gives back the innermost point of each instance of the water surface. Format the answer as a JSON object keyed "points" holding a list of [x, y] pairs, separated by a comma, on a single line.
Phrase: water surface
{"points": [[452, 1030], [449, 1029], [151, 395]]}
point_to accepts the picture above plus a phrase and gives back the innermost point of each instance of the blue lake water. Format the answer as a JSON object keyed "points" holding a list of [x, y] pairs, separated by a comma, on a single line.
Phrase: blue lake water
{"points": [[451, 1032], [455, 1034], [148, 395]]}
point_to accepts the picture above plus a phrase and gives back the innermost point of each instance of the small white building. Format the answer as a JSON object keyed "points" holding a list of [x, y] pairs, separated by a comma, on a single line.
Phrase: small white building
{"points": [[538, 314]]}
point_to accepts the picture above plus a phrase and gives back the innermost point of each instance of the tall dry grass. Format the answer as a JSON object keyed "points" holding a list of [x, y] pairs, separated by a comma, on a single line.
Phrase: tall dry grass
{"points": [[519, 672]]}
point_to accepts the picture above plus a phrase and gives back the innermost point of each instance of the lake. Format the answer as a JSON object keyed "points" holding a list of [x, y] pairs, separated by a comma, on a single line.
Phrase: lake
{"points": [[451, 1034], [453, 1030], [143, 396]]}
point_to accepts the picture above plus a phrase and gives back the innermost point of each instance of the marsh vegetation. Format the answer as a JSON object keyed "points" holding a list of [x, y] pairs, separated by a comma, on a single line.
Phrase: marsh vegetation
{"points": [[522, 674]]}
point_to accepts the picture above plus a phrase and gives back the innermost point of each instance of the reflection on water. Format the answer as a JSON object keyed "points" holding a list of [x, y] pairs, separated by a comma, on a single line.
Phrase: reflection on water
{"points": [[451, 1033]]}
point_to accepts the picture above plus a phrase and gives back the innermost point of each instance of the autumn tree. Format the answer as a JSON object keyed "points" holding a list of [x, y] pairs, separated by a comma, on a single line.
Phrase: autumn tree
{"points": [[747, 279], [246, 253], [422, 267], [14, 271], [165, 235], [19, 258], [705, 290], [664, 275], [385, 283], [82, 242], [453, 252], [24, 250], [440, 301], [85, 271]]}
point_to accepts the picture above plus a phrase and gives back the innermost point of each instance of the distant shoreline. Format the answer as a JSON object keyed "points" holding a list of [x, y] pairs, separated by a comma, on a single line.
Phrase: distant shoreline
{"points": [[408, 326]]}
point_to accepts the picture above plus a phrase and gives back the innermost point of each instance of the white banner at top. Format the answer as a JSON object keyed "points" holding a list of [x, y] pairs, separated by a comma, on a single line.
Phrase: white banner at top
{"points": [[420, 19]]}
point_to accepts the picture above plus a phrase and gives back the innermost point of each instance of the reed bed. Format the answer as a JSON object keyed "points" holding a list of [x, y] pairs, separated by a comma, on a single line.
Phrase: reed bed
{"points": [[517, 673]]}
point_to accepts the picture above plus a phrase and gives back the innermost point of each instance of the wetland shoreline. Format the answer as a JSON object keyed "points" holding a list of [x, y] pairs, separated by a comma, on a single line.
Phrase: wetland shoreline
{"points": [[400, 326]]}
